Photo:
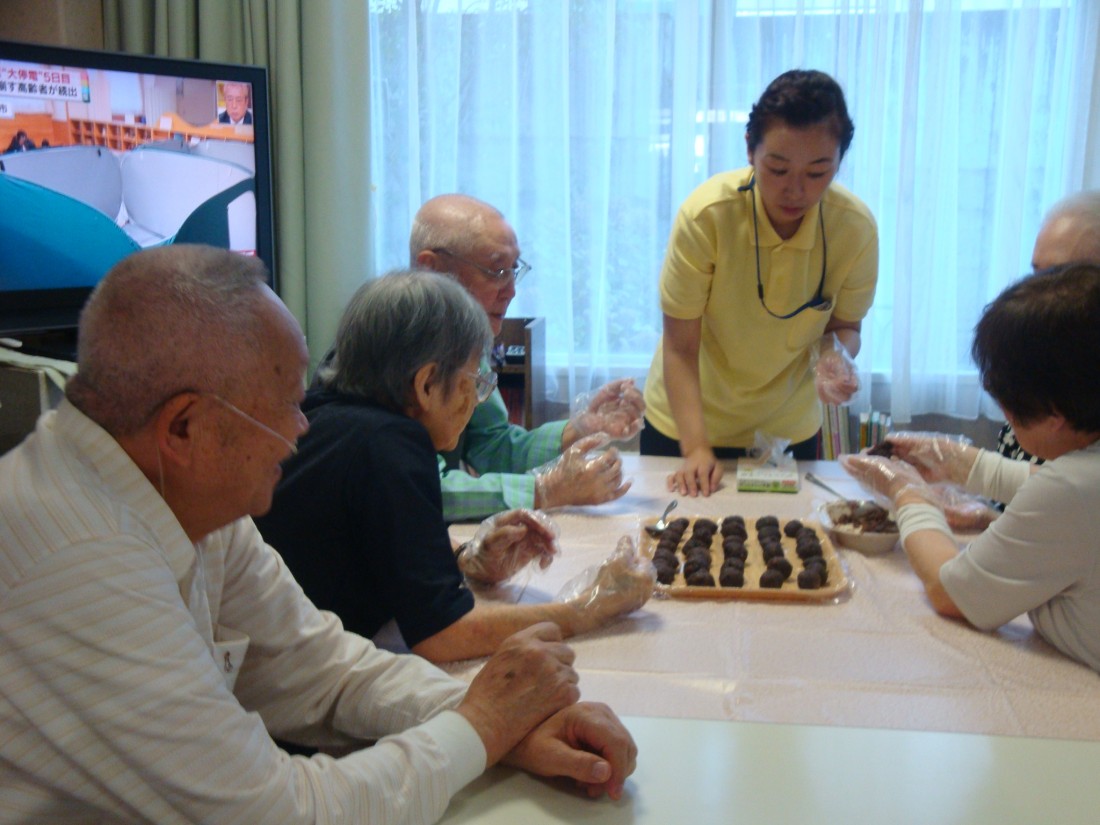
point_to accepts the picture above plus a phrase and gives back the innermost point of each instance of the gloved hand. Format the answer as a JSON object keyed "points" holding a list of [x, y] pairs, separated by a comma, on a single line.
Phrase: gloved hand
{"points": [[889, 478], [965, 513], [615, 408], [835, 375], [506, 543], [622, 584], [574, 477], [938, 456]]}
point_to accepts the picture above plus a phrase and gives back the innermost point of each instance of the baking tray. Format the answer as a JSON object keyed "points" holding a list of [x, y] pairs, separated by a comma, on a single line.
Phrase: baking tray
{"points": [[837, 586]]}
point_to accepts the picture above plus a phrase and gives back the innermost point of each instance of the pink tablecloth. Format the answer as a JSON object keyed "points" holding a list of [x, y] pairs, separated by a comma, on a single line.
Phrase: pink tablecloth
{"points": [[879, 658]]}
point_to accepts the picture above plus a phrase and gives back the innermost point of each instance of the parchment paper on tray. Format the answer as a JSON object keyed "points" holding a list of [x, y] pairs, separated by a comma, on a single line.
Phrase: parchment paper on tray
{"points": [[805, 547]]}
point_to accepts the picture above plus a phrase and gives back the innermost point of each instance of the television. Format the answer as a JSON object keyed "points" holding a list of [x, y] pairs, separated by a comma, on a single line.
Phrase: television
{"points": [[103, 154]]}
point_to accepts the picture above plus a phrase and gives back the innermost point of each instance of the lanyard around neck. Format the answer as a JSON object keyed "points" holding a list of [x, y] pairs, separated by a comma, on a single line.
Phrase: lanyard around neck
{"points": [[818, 301]]}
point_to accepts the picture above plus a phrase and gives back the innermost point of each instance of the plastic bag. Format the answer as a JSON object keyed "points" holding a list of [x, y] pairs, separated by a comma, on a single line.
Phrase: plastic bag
{"points": [[771, 451]]}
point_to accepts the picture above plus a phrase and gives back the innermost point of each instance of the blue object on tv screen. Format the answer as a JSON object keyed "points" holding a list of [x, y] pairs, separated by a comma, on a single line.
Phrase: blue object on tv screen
{"points": [[103, 154]]}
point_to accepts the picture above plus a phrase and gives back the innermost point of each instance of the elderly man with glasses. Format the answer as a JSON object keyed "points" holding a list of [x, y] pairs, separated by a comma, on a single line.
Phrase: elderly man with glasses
{"points": [[513, 467], [151, 643], [238, 100]]}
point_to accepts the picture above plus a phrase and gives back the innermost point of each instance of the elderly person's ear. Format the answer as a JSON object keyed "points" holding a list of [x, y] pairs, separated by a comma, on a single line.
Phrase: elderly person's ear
{"points": [[427, 259], [174, 428], [426, 386]]}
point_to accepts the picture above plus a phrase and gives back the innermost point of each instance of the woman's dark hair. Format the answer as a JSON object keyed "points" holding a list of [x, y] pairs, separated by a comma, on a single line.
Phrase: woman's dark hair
{"points": [[19, 140], [1036, 347], [800, 98]]}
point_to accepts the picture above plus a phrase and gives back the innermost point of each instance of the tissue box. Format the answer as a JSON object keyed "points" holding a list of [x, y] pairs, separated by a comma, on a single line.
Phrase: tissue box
{"points": [[755, 476]]}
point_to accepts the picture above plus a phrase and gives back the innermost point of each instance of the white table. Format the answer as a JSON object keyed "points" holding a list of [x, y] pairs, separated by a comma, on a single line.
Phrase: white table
{"points": [[880, 658], [692, 771]]}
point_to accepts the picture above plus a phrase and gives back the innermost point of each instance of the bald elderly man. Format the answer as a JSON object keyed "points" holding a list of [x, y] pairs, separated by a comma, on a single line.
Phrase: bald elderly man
{"points": [[472, 242], [151, 643]]}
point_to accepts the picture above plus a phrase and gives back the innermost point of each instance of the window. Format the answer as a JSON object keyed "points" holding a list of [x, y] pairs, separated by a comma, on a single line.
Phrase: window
{"points": [[587, 123]]}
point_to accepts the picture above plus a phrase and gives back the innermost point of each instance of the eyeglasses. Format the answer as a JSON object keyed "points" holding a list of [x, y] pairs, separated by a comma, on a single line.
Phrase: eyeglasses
{"points": [[234, 408], [485, 381], [515, 273]]}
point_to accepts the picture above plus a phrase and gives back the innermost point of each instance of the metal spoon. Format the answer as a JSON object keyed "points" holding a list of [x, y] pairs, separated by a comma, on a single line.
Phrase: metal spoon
{"points": [[815, 480], [662, 522]]}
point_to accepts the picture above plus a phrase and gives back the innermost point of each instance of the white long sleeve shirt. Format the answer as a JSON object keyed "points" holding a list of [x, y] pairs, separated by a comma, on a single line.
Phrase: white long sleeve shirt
{"points": [[114, 702], [1041, 556]]}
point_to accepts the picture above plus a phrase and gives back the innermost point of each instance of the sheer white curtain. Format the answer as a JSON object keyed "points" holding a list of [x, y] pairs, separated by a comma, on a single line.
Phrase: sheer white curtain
{"points": [[588, 122]]}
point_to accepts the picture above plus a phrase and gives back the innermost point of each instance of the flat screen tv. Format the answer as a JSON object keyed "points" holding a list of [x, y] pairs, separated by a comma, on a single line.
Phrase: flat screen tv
{"points": [[103, 154]]}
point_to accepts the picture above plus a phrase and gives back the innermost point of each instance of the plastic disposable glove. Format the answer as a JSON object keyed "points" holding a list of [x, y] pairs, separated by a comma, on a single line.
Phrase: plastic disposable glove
{"points": [[888, 477], [622, 584], [892, 477], [506, 543], [835, 375], [575, 477], [965, 513], [615, 408], [938, 456]]}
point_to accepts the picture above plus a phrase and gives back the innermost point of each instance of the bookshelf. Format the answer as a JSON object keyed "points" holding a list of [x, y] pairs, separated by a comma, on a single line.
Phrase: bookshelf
{"points": [[117, 136], [124, 136], [844, 432], [523, 382]]}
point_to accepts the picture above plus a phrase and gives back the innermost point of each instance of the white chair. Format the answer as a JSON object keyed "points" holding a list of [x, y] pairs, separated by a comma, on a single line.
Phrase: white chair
{"points": [[174, 196], [89, 174]]}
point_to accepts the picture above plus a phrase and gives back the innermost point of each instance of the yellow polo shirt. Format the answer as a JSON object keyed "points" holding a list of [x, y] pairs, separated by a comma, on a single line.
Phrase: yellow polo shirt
{"points": [[755, 369]]}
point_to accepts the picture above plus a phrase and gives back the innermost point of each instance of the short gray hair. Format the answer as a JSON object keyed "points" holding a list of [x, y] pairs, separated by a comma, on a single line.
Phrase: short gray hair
{"points": [[396, 324], [163, 321], [243, 85], [453, 222]]}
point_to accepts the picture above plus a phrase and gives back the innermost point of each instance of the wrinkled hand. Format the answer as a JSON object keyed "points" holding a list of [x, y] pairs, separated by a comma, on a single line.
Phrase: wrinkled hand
{"points": [[699, 474], [622, 584], [835, 375], [888, 477], [574, 477], [938, 456], [615, 408], [527, 680], [506, 543], [585, 742]]}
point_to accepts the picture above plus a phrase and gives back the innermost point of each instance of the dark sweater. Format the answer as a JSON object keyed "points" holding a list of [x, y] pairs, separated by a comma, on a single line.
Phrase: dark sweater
{"points": [[358, 517]]}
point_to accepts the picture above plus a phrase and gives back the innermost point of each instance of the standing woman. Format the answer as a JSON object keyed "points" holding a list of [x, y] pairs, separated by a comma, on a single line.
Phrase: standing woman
{"points": [[769, 272]]}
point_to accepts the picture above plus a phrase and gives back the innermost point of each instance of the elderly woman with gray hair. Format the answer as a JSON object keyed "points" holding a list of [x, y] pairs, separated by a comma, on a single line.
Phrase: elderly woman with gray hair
{"points": [[358, 514]]}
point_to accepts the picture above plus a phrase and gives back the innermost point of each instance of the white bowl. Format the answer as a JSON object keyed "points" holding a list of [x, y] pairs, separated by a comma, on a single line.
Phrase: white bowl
{"points": [[853, 536]]}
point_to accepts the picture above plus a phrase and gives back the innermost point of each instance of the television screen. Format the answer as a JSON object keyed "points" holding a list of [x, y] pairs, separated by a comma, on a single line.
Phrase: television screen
{"points": [[103, 154]]}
